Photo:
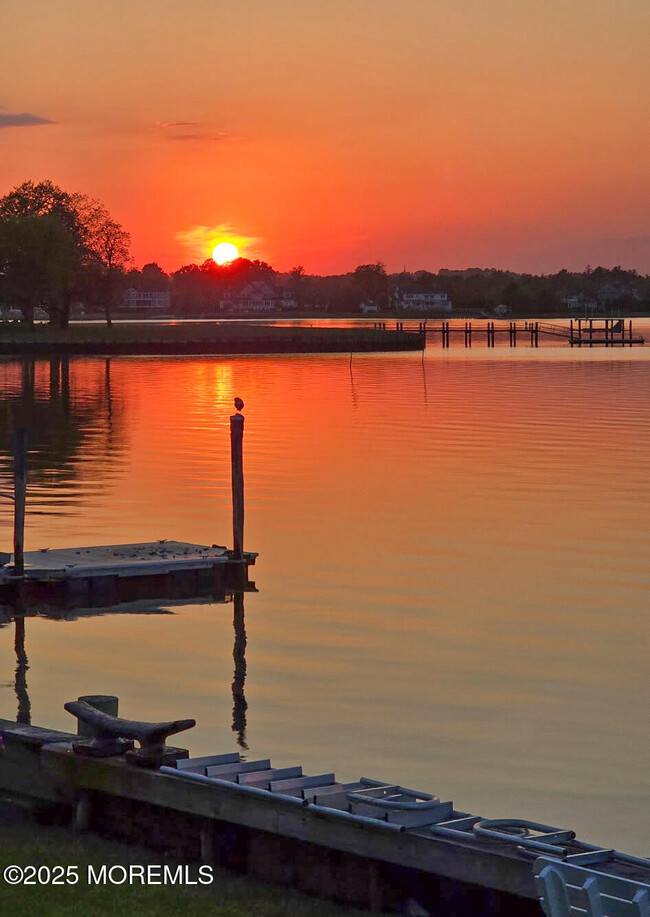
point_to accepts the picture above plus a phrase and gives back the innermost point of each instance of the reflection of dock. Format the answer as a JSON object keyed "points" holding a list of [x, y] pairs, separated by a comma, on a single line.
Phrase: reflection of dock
{"points": [[159, 606], [111, 574]]}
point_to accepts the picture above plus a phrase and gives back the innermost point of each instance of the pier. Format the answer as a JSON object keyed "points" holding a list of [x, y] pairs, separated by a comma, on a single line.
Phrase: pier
{"points": [[578, 333], [195, 338]]}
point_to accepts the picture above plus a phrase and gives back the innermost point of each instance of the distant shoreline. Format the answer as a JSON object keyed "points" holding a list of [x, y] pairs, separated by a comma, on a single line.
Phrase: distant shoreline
{"points": [[133, 339]]}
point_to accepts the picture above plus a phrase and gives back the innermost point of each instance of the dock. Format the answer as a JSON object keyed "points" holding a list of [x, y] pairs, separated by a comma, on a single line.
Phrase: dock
{"points": [[106, 575], [199, 338], [578, 333], [366, 843]]}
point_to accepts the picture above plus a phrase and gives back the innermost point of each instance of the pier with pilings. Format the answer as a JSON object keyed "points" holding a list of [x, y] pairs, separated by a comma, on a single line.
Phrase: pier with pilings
{"points": [[608, 332]]}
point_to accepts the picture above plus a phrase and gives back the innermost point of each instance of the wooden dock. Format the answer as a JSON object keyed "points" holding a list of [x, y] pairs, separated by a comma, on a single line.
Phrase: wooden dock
{"points": [[368, 843], [105, 575], [92, 577], [578, 333]]}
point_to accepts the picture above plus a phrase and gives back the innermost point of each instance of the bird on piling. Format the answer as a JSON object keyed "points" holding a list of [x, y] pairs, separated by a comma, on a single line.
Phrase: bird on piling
{"points": [[239, 404]]}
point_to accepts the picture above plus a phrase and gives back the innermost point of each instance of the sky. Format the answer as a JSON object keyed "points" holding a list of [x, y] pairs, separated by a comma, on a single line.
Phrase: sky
{"points": [[331, 133]]}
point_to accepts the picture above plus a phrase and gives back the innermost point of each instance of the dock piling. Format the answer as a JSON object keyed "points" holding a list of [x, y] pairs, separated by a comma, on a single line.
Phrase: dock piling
{"points": [[236, 451], [20, 491]]}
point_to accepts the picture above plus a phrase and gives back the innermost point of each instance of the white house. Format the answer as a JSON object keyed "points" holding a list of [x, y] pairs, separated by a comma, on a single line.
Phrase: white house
{"points": [[257, 296], [160, 300], [414, 299], [585, 304]]}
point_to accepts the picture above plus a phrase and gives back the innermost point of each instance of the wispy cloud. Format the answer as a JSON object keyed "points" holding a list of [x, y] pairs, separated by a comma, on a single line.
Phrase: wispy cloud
{"points": [[202, 137], [22, 119], [177, 130], [177, 124], [200, 240]]}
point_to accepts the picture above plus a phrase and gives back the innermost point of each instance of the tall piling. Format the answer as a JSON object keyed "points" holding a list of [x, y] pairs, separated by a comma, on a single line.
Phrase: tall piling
{"points": [[19, 445], [236, 455]]}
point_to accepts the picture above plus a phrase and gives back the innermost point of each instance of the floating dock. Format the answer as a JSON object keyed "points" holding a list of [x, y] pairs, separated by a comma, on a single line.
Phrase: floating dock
{"points": [[107, 575]]}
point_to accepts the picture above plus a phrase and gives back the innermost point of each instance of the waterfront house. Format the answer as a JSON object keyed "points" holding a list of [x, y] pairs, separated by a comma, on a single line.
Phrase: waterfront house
{"points": [[154, 300], [581, 302], [615, 293], [258, 296], [414, 298]]}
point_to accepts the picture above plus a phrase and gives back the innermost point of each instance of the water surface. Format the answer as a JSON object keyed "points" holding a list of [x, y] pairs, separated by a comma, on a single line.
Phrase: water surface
{"points": [[453, 573]]}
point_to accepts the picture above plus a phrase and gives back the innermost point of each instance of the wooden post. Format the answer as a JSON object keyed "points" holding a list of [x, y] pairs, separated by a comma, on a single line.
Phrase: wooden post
{"points": [[20, 491], [236, 453]]}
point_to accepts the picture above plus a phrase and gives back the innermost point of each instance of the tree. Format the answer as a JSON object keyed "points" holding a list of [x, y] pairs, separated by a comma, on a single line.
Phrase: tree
{"points": [[297, 278], [56, 246], [37, 260], [373, 282], [106, 254]]}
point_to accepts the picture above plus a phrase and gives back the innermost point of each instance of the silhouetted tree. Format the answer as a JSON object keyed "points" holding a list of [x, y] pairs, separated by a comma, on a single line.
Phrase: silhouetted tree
{"points": [[56, 246], [372, 281]]}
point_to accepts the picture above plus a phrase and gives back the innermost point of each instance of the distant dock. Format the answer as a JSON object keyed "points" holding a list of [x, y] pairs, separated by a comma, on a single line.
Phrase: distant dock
{"points": [[199, 338], [578, 333]]}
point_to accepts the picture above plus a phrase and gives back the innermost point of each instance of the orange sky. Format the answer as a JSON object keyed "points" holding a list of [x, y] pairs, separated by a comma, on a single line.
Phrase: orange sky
{"points": [[431, 133]]}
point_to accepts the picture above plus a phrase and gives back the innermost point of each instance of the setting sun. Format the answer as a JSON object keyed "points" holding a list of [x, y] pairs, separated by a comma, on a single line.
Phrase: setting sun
{"points": [[224, 253]]}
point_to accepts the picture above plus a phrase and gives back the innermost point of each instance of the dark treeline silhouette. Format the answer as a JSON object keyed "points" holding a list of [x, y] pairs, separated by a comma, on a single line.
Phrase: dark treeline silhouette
{"points": [[205, 289], [65, 254]]}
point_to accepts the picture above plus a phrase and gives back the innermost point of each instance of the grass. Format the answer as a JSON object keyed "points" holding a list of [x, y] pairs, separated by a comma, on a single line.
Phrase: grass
{"points": [[26, 843]]}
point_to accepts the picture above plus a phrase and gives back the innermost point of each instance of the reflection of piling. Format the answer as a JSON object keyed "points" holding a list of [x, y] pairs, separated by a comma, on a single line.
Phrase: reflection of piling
{"points": [[24, 714], [20, 489], [236, 451], [239, 705]]}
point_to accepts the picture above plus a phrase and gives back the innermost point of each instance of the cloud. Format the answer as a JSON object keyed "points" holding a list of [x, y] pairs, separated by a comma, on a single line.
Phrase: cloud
{"points": [[177, 124], [202, 133], [201, 137], [24, 119], [200, 240]]}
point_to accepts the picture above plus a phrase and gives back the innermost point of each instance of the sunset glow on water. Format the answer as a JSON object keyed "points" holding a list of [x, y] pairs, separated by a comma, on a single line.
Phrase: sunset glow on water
{"points": [[453, 572]]}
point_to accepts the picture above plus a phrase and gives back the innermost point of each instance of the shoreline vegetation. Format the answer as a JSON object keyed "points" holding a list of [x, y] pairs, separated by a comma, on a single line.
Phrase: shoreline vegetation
{"points": [[198, 338], [63, 255]]}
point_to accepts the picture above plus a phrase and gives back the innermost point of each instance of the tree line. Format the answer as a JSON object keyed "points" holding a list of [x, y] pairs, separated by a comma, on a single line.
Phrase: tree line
{"points": [[58, 248]]}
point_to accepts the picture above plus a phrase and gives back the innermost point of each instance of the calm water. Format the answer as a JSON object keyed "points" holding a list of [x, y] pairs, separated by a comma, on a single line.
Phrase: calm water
{"points": [[453, 574]]}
